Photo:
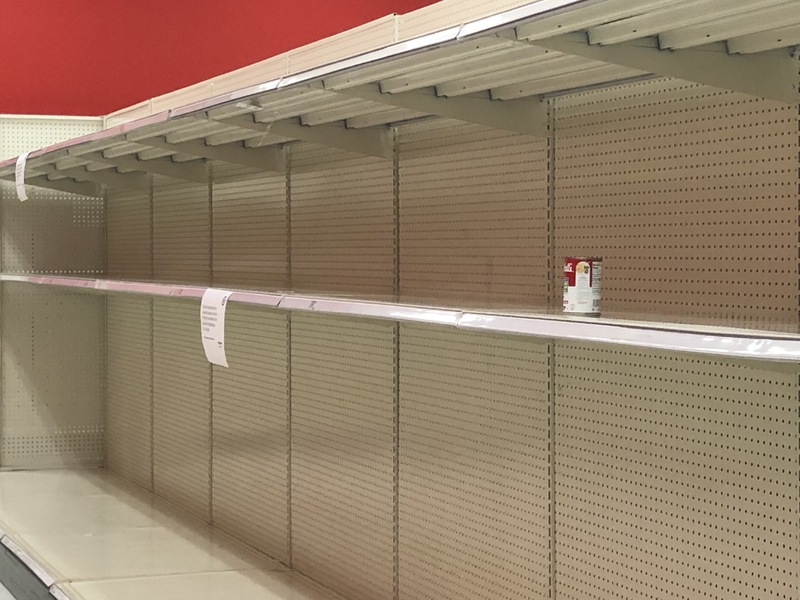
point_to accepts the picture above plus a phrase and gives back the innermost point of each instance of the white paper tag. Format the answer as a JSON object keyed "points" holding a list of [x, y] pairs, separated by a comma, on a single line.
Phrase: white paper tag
{"points": [[212, 325], [19, 176]]}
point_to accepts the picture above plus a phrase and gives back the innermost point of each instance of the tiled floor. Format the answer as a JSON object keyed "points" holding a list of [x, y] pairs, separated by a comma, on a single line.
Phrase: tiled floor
{"points": [[101, 539]]}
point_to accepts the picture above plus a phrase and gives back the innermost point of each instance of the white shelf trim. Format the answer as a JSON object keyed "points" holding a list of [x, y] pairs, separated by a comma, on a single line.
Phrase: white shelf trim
{"points": [[56, 593], [729, 342], [28, 561]]}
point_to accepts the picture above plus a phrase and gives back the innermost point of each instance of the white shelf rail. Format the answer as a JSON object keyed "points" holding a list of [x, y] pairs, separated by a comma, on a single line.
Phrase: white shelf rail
{"points": [[730, 342], [25, 558]]}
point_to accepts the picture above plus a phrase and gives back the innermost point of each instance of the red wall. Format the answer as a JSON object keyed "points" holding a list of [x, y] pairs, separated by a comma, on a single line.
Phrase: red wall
{"points": [[91, 57]]}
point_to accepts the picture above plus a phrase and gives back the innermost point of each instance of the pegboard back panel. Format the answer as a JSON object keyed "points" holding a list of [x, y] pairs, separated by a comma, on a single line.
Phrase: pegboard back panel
{"points": [[23, 133], [474, 511], [250, 496], [129, 389], [676, 476], [342, 215], [52, 233], [181, 231], [473, 215], [53, 357], [343, 453], [181, 407], [251, 228], [130, 235], [689, 194]]}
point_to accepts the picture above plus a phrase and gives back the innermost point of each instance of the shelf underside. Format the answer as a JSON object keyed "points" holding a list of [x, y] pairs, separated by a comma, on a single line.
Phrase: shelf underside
{"points": [[492, 71]]}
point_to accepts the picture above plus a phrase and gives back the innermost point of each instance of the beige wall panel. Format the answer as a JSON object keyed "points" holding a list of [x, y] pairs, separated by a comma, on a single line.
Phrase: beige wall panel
{"points": [[358, 40], [181, 407], [255, 74], [53, 356], [182, 96], [690, 196], [474, 466], [21, 133], [449, 13], [130, 236], [343, 442], [52, 233], [676, 476], [181, 231], [473, 216], [129, 389], [251, 430], [127, 114], [342, 222], [250, 229]]}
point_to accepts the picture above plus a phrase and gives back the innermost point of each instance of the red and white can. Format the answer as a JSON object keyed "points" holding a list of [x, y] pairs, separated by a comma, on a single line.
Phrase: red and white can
{"points": [[582, 285]]}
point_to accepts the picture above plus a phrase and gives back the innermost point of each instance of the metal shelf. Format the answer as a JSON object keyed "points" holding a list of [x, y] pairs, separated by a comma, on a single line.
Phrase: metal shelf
{"points": [[678, 337], [92, 557], [492, 71]]}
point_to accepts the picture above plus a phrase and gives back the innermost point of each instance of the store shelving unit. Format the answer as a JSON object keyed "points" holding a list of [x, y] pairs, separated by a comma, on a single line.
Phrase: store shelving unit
{"points": [[406, 414], [700, 339]]}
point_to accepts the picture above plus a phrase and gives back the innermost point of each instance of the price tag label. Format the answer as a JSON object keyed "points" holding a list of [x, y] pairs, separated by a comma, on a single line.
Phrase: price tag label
{"points": [[19, 176], [212, 325]]}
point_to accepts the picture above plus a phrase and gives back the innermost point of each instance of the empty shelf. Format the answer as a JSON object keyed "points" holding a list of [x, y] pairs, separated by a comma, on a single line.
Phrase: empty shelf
{"points": [[678, 337], [91, 536]]}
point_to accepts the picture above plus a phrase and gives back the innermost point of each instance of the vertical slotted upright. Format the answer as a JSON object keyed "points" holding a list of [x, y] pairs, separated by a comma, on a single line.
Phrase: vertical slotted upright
{"points": [[129, 389]]}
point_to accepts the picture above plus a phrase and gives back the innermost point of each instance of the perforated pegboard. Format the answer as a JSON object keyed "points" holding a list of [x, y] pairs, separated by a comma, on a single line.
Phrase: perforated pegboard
{"points": [[473, 215], [181, 231], [251, 228], [129, 389], [689, 194], [20, 133], [474, 512], [250, 497], [676, 476], [342, 214], [52, 233], [181, 407], [53, 356], [130, 236], [343, 452]]}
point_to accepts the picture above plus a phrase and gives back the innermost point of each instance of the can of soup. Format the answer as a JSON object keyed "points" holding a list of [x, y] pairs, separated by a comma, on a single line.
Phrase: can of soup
{"points": [[582, 285]]}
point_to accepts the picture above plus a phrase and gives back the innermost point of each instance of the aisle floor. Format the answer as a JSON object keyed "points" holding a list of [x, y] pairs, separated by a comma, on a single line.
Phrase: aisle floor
{"points": [[100, 538]]}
